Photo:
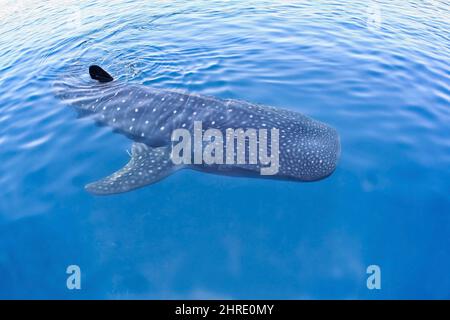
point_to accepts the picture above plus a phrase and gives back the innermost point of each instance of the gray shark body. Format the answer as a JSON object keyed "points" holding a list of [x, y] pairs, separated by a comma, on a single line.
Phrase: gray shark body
{"points": [[308, 149]]}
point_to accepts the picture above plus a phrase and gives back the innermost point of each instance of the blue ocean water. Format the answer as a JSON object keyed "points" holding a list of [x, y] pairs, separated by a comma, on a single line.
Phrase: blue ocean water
{"points": [[377, 71]]}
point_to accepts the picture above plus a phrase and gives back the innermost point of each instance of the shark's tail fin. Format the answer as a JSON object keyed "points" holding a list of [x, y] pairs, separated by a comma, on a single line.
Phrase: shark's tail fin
{"points": [[146, 166], [99, 74]]}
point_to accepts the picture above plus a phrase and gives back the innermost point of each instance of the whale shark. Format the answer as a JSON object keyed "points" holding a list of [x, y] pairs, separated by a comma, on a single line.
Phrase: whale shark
{"points": [[307, 149]]}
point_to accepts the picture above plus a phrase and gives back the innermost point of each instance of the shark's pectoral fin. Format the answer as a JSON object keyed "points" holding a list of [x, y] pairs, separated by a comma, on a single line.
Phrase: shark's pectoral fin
{"points": [[146, 166]]}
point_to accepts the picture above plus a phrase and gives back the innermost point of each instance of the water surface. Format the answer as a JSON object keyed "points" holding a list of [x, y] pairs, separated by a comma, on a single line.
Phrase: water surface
{"points": [[376, 71]]}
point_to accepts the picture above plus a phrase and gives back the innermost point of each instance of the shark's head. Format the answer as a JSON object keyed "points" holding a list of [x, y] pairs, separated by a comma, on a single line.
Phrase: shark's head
{"points": [[99, 74]]}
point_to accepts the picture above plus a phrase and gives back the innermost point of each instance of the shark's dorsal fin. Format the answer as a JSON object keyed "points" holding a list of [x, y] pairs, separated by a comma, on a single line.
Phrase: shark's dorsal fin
{"points": [[146, 166], [99, 74]]}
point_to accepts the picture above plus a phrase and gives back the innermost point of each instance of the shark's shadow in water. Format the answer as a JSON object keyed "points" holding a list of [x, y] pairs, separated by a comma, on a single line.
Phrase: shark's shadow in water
{"points": [[308, 149]]}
